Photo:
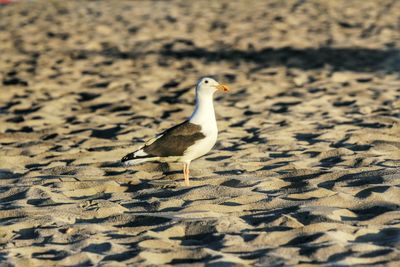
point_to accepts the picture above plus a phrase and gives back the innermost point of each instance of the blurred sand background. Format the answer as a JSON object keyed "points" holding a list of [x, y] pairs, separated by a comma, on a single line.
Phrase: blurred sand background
{"points": [[307, 167]]}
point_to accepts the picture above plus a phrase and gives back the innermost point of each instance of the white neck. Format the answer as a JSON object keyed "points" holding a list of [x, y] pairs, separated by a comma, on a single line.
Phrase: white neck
{"points": [[203, 113]]}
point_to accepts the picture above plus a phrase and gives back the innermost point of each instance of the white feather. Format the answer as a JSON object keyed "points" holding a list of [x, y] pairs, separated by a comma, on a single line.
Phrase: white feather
{"points": [[139, 160], [140, 153]]}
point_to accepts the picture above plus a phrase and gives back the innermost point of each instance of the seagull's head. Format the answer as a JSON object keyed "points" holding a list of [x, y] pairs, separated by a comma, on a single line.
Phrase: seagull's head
{"points": [[208, 86]]}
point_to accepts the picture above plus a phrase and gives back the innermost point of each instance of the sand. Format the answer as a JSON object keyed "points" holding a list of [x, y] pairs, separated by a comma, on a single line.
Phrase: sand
{"points": [[306, 170]]}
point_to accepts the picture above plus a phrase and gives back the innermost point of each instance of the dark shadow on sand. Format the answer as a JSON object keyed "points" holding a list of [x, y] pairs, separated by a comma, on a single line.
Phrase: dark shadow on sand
{"points": [[351, 59]]}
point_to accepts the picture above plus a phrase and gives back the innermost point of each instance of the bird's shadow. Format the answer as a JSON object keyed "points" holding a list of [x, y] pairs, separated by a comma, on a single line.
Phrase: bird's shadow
{"points": [[115, 168]]}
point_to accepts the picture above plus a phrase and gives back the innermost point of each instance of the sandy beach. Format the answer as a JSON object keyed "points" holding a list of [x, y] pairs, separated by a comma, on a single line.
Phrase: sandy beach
{"points": [[306, 170]]}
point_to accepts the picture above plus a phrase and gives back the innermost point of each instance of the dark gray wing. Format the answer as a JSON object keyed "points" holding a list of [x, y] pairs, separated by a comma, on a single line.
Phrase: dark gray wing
{"points": [[175, 141]]}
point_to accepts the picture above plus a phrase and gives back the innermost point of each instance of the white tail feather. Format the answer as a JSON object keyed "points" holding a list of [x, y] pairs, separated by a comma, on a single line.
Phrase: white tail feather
{"points": [[140, 153], [139, 160]]}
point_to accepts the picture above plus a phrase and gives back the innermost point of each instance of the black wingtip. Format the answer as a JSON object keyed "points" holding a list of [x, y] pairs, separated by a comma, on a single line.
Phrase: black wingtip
{"points": [[128, 157]]}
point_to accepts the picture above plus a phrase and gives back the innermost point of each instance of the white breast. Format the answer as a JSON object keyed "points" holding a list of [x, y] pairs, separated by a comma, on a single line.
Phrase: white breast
{"points": [[204, 116], [202, 146]]}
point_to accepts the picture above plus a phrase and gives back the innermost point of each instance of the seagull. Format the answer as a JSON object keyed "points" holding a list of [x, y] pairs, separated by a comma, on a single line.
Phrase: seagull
{"points": [[188, 140]]}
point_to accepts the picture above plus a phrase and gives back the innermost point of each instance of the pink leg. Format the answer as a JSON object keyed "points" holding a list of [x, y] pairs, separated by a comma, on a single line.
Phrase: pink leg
{"points": [[186, 173]]}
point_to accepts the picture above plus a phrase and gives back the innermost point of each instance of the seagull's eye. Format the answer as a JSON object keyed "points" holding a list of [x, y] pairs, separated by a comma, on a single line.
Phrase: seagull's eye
{"points": [[206, 81]]}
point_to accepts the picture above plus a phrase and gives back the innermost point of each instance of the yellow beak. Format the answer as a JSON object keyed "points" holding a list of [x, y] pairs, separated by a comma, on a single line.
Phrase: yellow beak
{"points": [[222, 87]]}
